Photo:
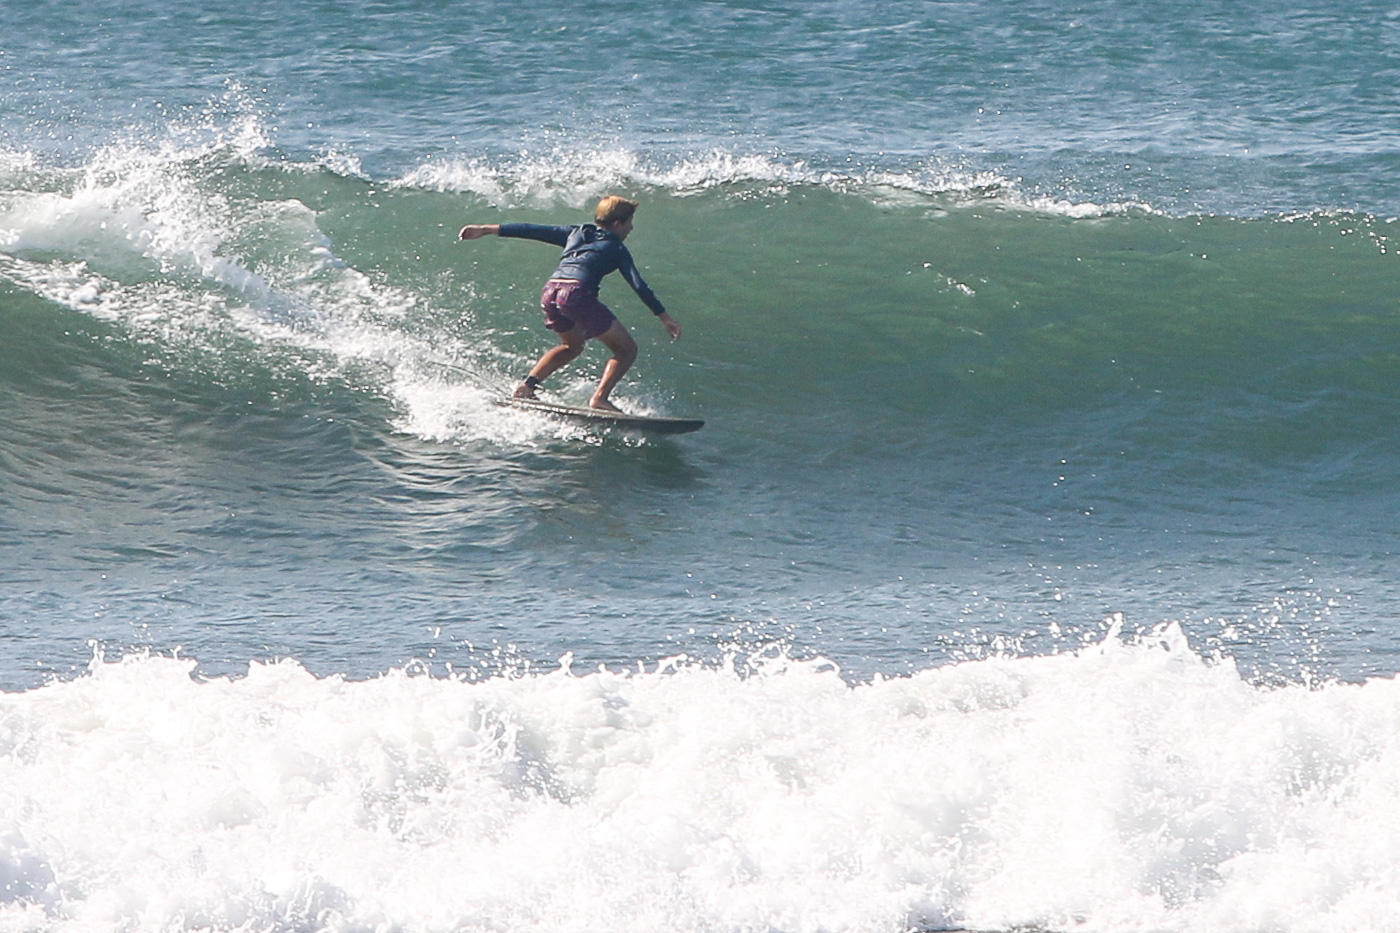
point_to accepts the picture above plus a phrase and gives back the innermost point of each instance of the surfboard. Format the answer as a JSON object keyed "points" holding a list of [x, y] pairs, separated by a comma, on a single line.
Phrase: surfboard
{"points": [[606, 419]]}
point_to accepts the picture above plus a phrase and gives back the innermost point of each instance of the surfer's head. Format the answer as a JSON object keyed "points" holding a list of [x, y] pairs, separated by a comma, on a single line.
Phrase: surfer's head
{"points": [[614, 211]]}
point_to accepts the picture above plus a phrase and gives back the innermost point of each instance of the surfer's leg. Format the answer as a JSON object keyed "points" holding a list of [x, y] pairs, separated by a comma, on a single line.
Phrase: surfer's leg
{"points": [[569, 347], [624, 350]]}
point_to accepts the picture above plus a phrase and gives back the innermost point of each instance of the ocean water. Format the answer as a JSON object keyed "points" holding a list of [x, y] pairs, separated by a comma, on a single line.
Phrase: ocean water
{"points": [[1037, 567]]}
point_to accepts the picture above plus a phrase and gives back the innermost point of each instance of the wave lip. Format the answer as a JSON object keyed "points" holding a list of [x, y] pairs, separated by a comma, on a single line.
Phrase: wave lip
{"points": [[574, 176]]}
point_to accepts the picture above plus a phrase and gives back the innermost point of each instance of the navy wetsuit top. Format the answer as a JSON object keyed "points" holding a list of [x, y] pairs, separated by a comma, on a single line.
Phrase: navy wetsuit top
{"points": [[590, 252]]}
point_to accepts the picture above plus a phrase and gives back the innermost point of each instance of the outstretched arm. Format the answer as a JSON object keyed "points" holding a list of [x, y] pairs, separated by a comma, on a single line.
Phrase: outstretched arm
{"points": [[477, 231]]}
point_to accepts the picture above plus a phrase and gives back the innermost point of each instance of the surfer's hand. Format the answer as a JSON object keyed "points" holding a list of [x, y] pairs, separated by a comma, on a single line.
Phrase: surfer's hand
{"points": [[672, 326], [477, 231]]}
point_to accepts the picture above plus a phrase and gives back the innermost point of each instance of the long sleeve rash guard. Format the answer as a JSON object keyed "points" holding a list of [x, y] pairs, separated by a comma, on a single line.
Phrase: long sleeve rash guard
{"points": [[590, 252]]}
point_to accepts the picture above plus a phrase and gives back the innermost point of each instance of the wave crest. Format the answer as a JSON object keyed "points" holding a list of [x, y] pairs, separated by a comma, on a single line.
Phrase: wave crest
{"points": [[572, 177]]}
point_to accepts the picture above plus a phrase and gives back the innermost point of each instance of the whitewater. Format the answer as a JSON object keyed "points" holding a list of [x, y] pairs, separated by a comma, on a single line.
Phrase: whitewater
{"points": [[1115, 786]]}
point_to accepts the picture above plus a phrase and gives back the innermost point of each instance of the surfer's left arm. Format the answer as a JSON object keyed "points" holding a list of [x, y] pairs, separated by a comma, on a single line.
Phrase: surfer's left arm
{"points": [[477, 231], [628, 268]]}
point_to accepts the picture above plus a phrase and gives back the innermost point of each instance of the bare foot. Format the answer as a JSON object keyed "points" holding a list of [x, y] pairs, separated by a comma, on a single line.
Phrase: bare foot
{"points": [[524, 391], [603, 404]]}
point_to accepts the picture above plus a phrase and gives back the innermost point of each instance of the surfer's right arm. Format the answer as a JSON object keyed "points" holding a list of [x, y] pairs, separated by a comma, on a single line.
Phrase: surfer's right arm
{"points": [[477, 231], [545, 233]]}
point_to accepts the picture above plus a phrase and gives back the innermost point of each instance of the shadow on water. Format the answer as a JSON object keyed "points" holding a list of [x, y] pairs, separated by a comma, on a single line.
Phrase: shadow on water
{"points": [[606, 464], [618, 462], [616, 494], [482, 511]]}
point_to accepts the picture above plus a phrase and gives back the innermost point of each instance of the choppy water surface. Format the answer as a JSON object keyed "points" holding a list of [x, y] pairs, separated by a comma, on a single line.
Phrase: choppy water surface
{"points": [[1034, 569]]}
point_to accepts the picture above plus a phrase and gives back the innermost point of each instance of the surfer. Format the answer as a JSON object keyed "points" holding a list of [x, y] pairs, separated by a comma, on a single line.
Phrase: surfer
{"points": [[570, 297]]}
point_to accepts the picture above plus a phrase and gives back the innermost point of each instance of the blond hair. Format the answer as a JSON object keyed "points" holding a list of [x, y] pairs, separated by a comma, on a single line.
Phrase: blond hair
{"points": [[613, 209]]}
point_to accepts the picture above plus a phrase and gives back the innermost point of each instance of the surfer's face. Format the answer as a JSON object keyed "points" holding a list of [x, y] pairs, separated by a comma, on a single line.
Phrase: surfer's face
{"points": [[621, 228]]}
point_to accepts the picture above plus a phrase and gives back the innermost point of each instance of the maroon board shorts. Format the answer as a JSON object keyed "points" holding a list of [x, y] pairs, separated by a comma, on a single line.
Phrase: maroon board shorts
{"points": [[567, 305]]}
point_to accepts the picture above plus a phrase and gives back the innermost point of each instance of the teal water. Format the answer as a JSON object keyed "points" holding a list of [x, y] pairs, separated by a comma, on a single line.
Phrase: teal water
{"points": [[1050, 363]]}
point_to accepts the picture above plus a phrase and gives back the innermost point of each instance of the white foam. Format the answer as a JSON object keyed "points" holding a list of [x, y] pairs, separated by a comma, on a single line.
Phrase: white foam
{"points": [[573, 176], [141, 237], [1129, 786]]}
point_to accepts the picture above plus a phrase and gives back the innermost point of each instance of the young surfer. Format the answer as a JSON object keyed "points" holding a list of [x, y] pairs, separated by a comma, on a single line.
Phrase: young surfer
{"points": [[570, 297]]}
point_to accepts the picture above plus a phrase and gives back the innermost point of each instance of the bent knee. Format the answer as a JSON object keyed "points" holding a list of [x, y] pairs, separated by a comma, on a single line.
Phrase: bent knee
{"points": [[621, 344]]}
